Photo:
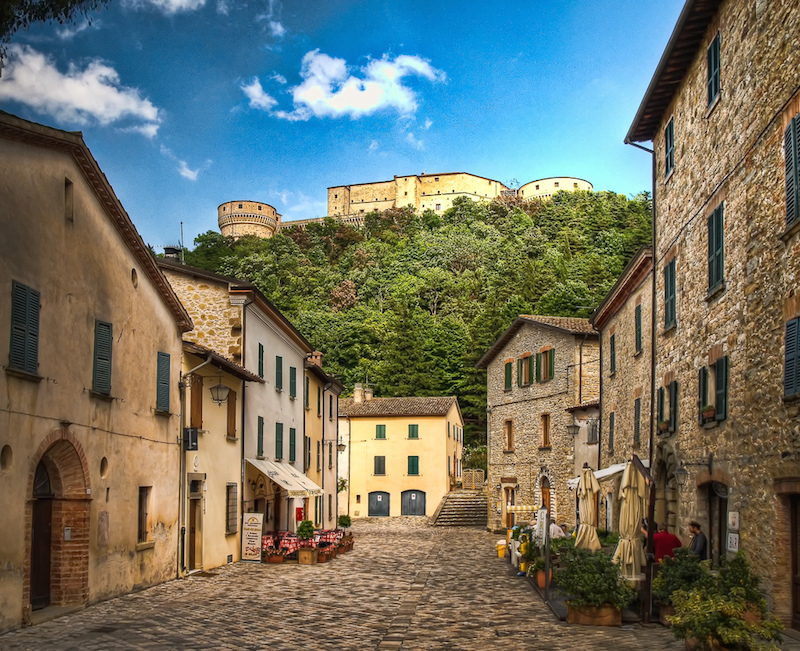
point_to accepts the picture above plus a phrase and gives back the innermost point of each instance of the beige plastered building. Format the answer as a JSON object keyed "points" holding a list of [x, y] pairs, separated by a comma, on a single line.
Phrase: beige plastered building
{"points": [[89, 420]]}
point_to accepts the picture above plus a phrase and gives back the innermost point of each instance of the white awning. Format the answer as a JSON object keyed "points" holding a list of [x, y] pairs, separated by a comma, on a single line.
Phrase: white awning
{"points": [[288, 477], [604, 473], [522, 509]]}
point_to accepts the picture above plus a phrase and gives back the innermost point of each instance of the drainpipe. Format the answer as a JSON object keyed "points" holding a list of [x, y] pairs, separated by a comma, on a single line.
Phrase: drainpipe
{"points": [[600, 415], [182, 465], [244, 411]]}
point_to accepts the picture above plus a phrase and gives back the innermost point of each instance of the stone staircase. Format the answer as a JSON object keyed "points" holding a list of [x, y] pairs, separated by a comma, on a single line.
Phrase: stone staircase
{"points": [[462, 508]]}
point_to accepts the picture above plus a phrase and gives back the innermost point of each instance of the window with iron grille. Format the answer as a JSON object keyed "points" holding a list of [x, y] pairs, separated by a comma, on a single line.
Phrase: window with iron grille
{"points": [[231, 509]]}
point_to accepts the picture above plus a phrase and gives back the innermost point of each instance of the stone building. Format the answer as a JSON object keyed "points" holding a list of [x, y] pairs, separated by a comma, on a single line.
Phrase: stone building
{"points": [[239, 218], [404, 453], [624, 321], [723, 114], [543, 374], [89, 420]]}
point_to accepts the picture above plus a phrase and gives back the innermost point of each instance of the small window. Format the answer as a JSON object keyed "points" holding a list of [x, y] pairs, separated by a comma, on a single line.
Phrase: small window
{"points": [[358, 499], [791, 369], [413, 465], [292, 444], [307, 453], [637, 422], [330, 407], [575, 185], [259, 206], [196, 406], [555, 185], [537, 186], [670, 291], [279, 373], [667, 408], [144, 504], [713, 70], [545, 430], [260, 444], [716, 248], [508, 435], [791, 149], [69, 205], [524, 370], [335, 196], [449, 427], [307, 392], [319, 401], [612, 349], [438, 206], [379, 466], [24, 351], [669, 147], [330, 455], [508, 376], [611, 418], [380, 431], [240, 206], [279, 440], [231, 509], [436, 178], [413, 431], [101, 373], [712, 401]]}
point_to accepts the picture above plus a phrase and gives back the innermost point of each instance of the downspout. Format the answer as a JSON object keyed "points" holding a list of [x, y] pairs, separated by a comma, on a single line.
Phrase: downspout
{"points": [[181, 566], [600, 417], [244, 411]]}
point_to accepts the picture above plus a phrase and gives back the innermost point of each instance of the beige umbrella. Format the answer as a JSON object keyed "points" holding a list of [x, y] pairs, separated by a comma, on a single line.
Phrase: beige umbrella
{"points": [[630, 554], [587, 492]]}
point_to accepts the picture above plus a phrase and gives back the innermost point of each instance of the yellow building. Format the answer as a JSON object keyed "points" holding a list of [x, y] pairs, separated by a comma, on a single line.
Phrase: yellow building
{"points": [[546, 188], [212, 466], [89, 421], [404, 453]]}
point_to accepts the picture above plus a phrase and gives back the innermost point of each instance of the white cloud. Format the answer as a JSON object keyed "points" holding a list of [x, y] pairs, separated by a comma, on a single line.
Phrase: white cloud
{"points": [[279, 78], [183, 167], [329, 89], [223, 7], [185, 172], [91, 95], [412, 140], [259, 99], [373, 145], [66, 32], [428, 124], [148, 130], [277, 29], [167, 6]]}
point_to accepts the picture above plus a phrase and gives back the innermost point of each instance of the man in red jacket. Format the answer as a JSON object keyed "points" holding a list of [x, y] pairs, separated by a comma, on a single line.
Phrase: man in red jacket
{"points": [[664, 543]]}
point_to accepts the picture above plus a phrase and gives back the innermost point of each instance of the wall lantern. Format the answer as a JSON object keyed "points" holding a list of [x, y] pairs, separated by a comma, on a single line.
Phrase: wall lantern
{"points": [[341, 447], [681, 475], [219, 392], [573, 429]]}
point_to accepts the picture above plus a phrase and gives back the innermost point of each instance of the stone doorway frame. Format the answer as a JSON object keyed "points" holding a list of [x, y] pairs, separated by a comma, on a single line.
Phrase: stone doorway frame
{"points": [[668, 499]]}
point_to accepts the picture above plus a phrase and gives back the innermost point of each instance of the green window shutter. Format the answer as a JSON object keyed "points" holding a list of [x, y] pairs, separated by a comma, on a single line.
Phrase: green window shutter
{"points": [[260, 360], [637, 421], [380, 431], [721, 389], [279, 372], [162, 382], [279, 440], [611, 419], [307, 397], [260, 452], [520, 379], [713, 74], [24, 349], [551, 357], [613, 350], [669, 295], [538, 367], [413, 431], [673, 405], [660, 405], [531, 370], [292, 382], [413, 465], [292, 444], [101, 374], [716, 245], [308, 452], [638, 327], [319, 460], [791, 149], [319, 401], [380, 466], [508, 376], [669, 147], [702, 392], [791, 371]]}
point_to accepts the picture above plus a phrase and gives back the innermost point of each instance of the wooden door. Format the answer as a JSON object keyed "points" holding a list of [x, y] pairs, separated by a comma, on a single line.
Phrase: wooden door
{"points": [[796, 561], [509, 499], [378, 504], [41, 538], [412, 503], [195, 535]]}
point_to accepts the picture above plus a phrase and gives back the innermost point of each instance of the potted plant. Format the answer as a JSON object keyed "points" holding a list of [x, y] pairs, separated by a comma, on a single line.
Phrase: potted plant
{"points": [[536, 570], [307, 553], [346, 543], [596, 588], [273, 555], [708, 411], [683, 572]]}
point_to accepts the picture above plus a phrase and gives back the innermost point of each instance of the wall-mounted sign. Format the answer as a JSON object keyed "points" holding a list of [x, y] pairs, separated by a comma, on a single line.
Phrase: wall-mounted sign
{"points": [[733, 542], [251, 536], [733, 520]]}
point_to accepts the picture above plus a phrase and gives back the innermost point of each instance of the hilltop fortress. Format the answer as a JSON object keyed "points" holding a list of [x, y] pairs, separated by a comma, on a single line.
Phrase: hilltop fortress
{"points": [[350, 203]]}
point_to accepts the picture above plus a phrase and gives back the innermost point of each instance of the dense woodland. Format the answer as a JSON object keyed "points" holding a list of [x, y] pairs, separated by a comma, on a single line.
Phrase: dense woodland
{"points": [[410, 302]]}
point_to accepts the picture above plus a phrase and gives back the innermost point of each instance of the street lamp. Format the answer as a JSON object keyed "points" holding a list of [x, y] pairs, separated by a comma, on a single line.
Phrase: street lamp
{"points": [[573, 429], [681, 475], [341, 447], [219, 392]]}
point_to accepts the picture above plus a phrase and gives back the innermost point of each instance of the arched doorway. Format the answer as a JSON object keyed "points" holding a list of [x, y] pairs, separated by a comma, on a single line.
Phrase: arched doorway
{"points": [[545, 487], [412, 503], [666, 508], [378, 504], [57, 542]]}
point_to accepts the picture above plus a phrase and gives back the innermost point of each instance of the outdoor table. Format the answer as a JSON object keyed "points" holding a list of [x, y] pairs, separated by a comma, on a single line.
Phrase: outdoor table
{"points": [[267, 541]]}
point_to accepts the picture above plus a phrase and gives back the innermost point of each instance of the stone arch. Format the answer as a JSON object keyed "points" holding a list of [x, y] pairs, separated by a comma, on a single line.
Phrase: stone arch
{"points": [[63, 457], [667, 499]]}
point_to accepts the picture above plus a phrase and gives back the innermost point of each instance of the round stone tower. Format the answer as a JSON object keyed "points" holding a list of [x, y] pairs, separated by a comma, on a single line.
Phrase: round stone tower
{"points": [[238, 218]]}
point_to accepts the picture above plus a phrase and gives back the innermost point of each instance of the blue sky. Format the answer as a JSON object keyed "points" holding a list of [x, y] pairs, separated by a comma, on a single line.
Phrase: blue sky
{"points": [[187, 104]]}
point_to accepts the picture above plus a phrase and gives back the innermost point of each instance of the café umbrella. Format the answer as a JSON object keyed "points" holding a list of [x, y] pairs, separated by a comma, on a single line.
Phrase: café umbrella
{"points": [[587, 493], [630, 554]]}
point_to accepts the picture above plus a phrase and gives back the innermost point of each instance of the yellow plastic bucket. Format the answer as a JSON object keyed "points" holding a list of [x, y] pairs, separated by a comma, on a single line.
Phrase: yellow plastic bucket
{"points": [[501, 551]]}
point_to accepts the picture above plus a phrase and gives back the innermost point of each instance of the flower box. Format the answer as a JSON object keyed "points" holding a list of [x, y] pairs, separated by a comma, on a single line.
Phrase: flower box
{"points": [[592, 616]]}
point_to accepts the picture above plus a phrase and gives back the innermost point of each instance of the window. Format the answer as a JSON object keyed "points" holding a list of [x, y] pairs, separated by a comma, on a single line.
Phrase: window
{"points": [[555, 184], [413, 465], [713, 382], [448, 430], [306, 394], [611, 422], [380, 431], [791, 149], [545, 430], [508, 435], [240, 206], [593, 431], [279, 373], [637, 422], [292, 382], [196, 409], [545, 365], [307, 452], [524, 370], [69, 202], [791, 369], [162, 383], [436, 178], [330, 455], [292, 444], [438, 206], [413, 431], [379, 466], [231, 509], [319, 401], [612, 345], [231, 414], [330, 506], [669, 295], [260, 360], [101, 373], [713, 70], [319, 456], [716, 248], [669, 147], [330, 407], [667, 414], [24, 352], [638, 328], [144, 499], [279, 440], [260, 447], [508, 376]]}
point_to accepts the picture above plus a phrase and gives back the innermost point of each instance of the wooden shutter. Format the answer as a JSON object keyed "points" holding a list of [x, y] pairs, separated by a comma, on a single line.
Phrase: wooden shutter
{"points": [[791, 371], [791, 151], [232, 414], [702, 392], [292, 444], [713, 75], [538, 367], [162, 382], [613, 346], [715, 247], [413, 465], [307, 399], [379, 466], [380, 431], [551, 357], [278, 372], [637, 421], [260, 360], [232, 508], [669, 295], [673, 405], [531, 370], [611, 419], [279, 440], [508, 376], [196, 413], [721, 389], [660, 405], [260, 452], [101, 375], [638, 327], [24, 350], [519, 372], [292, 382], [308, 452], [319, 457], [413, 431], [319, 401]]}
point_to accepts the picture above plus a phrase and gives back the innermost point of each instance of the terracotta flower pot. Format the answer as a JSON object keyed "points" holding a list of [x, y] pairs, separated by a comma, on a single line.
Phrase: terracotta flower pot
{"points": [[605, 615], [277, 558], [540, 578]]}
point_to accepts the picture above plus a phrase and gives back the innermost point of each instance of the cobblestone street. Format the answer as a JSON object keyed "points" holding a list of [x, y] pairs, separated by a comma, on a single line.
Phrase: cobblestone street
{"points": [[404, 586]]}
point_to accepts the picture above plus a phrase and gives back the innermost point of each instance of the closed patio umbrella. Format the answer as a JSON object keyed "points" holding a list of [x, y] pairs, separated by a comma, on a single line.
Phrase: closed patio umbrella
{"points": [[587, 492], [630, 554]]}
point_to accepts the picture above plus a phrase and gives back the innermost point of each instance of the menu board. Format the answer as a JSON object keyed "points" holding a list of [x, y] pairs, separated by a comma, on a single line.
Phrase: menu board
{"points": [[251, 536]]}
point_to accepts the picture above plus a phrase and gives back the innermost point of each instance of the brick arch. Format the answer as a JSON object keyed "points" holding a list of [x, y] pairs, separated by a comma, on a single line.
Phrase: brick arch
{"points": [[67, 459]]}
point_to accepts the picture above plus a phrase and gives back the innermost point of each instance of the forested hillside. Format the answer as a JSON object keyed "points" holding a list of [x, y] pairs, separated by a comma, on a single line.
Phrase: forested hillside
{"points": [[410, 302]]}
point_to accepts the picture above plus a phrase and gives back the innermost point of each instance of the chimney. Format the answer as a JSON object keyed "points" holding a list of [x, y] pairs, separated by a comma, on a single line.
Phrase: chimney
{"points": [[368, 393], [172, 252], [315, 358], [358, 392]]}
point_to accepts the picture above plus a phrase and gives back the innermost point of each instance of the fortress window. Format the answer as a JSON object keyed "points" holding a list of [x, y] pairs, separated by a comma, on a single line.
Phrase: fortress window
{"points": [[556, 184], [240, 206], [574, 185], [537, 186], [436, 178], [335, 196], [259, 207], [438, 206]]}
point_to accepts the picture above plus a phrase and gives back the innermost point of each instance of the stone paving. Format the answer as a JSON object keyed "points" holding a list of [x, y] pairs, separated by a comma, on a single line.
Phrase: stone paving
{"points": [[404, 586]]}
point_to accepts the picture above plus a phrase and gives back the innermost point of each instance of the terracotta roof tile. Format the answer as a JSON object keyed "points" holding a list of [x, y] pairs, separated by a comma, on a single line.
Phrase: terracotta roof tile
{"points": [[572, 324], [411, 406]]}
